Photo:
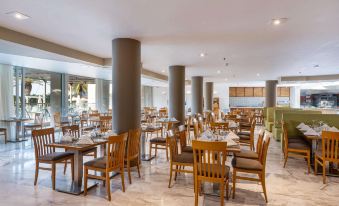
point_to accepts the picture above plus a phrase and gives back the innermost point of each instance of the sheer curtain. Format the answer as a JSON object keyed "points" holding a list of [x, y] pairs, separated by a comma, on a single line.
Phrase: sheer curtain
{"points": [[6, 93], [102, 95]]}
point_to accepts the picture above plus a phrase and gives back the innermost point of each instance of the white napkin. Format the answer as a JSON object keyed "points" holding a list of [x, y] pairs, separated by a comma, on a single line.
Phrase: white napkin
{"points": [[305, 128], [311, 132], [232, 124], [232, 136], [230, 142], [207, 134], [67, 138], [333, 129], [300, 125], [85, 140]]}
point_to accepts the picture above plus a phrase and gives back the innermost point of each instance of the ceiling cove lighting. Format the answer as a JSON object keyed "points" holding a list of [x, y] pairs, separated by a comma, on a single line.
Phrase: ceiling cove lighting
{"points": [[18, 15]]}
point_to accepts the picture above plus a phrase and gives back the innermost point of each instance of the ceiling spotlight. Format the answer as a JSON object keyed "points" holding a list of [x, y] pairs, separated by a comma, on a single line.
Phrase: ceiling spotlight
{"points": [[163, 71], [202, 54], [258, 74], [226, 64], [316, 66], [18, 15], [278, 21], [218, 71]]}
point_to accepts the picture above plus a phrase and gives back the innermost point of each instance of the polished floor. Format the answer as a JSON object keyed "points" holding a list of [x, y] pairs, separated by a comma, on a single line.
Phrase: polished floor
{"points": [[289, 186]]}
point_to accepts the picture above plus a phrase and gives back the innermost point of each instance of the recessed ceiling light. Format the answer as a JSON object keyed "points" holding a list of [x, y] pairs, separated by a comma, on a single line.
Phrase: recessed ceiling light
{"points": [[226, 79], [316, 66], [278, 21], [202, 54], [163, 71], [18, 15], [218, 71], [258, 74]]}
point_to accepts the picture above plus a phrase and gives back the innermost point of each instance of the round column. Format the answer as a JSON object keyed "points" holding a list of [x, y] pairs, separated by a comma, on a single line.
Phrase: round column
{"points": [[126, 78], [208, 95], [176, 80], [271, 93], [197, 95]]}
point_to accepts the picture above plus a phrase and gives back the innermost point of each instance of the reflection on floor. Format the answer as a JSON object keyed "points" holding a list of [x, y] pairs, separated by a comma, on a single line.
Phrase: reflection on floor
{"points": [[290, 186]]}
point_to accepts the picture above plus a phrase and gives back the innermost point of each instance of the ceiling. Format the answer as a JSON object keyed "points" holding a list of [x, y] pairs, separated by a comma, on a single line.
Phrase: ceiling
{"points": [[176, 32]]}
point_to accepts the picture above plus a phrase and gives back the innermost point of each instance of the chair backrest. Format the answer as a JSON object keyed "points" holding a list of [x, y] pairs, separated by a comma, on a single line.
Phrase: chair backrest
{"points": [[74, 130], [173, 143], [116, 151], [252, 129], [133, 143], [38, 118], [201, 124], [196, 128], [95, 112], [105, 123], [209, 159], [213, 118], [285, 136], [41, 138], [182, 136], [57, 118], [189, 122], [219, 126], [264, 149], [260, 140], [330, 146]]}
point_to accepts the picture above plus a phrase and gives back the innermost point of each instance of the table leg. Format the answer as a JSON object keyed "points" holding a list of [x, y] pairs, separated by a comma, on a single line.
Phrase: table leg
{"points": [[77, 187], [18, 128], [144, 156]]}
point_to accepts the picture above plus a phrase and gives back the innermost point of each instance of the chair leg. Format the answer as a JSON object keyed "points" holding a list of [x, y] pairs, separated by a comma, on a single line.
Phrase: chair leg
{"points": [[65, 166], [72, 167], [324, 172], [36, 172], [122, 178], [85, 180], [150, 149], [170, 179], [309, 162], [262, 178], [315, 166], [196, 191], [285, 160], [176, 173], [138, 167], [234, 180], [222, 187], [227, 188], [156, 149], [53, 176], [95, 154], [166, 147], [129, 171], [108, 186]]}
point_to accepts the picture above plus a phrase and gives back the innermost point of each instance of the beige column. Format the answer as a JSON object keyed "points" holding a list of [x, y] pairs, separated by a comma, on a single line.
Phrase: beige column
{"points": [[271, 93], [208, 96], [176, 102], [197, 95]]}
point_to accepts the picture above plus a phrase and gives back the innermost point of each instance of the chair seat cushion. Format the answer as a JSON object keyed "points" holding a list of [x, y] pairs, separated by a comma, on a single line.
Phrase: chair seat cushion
{"points": [[247, 154], [298, 145], [244, 137], [2, 129], [244, 133], [56, 156], [187, 149], [247, 164], [32, 125], [158, 140], [97, 163], [207, 169], [184, 157]]}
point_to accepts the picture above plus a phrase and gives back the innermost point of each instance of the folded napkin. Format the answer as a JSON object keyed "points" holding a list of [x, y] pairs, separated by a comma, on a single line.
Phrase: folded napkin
{"points": [[333, 129], [300, 125], [311, 132], [232, 124], [67, 138], [85, 140], [305, 128], [207, 134], [230, 142], [232, 136]]}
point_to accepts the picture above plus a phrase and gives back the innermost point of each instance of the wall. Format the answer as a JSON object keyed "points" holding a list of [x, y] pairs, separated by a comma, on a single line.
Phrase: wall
{"points": [[221, 90], [160, 97]]}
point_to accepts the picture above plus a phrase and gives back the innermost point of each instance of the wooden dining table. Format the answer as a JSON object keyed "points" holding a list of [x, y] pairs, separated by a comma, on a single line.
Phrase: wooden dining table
{"points": [[76, 188]]}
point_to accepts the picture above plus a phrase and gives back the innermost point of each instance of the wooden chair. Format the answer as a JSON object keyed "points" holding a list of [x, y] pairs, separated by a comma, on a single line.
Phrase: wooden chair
{"points": [[105, 123], [3, 132], [47, 155], [219, 126], [252, 154], [295, 149], [95, 116], [183, 140], [37, 124], [210, 166], [329, 151], [176, 159], [196, 128], [248, 140], [114, 161], [58, 122], [74, 130], [159, 143], [252, 166], [133, 151], [201, 124]]}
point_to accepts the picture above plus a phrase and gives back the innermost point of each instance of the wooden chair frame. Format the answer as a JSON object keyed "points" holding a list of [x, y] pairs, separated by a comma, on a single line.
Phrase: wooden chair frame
{"points": [[261, 173], [114, 162], [329, 152], [3, 132], [133, 151]]}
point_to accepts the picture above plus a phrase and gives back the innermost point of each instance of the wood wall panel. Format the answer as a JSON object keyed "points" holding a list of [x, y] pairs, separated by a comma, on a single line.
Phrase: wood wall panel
{"points": [[249, 92], [240, 91], [233, 92], [258, 92]]}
